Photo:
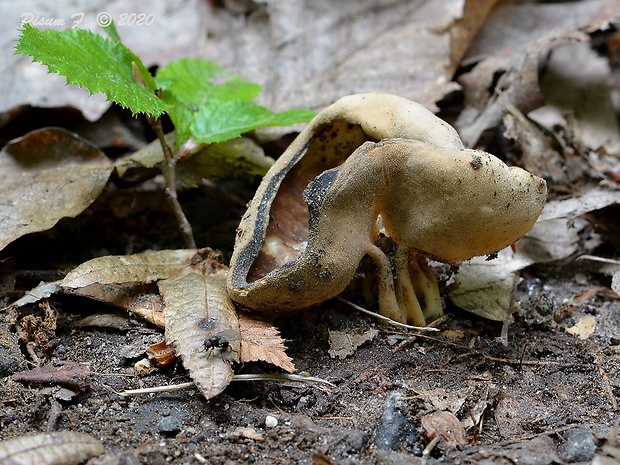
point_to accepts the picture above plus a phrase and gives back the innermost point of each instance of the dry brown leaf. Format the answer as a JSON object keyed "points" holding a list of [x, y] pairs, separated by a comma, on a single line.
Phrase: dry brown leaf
{"points": [[161, 354], [145, 267], [318, 51], [106, 320], [442, 399], [55, 448], [446, 427], [72, 375], [140, 299], [538, 152], [47, 175], [197, 309], [343, 344], [261, 341], [42, 291], [504, 27], [508, 78], [465, 29], [576, 87], [150, 307]]}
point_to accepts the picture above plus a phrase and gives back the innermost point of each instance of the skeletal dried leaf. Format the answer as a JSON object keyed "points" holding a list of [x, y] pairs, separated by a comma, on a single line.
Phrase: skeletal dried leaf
{"points": [[46, 175], [55, 448], [261, 341], [197, 308]]}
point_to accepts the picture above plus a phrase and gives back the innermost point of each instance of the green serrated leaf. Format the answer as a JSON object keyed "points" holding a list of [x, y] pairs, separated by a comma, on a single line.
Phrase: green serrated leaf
{"points": [[94, 62], [195, 82], [218, 120], [191, 83]]}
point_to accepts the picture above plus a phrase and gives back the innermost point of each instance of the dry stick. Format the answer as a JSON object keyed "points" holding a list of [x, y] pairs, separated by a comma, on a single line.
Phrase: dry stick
{"points": [[171, 188], [281, 377]]}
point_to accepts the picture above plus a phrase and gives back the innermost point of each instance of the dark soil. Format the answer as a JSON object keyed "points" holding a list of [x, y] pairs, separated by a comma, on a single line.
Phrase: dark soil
{"points": [[545, 397]]}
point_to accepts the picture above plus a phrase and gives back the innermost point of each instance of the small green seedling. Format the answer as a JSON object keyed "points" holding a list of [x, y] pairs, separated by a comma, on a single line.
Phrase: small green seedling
{"points": [[206, 103]]}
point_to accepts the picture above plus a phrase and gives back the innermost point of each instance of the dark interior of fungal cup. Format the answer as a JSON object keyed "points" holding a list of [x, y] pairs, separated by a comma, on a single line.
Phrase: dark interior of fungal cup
{"points": [[287, 231]]}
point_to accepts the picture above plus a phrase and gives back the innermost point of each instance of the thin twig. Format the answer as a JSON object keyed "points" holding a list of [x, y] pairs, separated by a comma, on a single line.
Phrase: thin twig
{"points": [[243, 377], [384, 318], [169, 171]]}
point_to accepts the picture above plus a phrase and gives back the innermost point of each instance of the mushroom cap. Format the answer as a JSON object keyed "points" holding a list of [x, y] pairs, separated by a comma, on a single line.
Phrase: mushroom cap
{"points": [[388, 116], [455, 204]]}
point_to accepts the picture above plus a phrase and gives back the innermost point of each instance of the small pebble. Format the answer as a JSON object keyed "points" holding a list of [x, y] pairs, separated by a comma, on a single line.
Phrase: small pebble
{"points": [[394, 429], [578, 446], [169, 425], [270, 421]]}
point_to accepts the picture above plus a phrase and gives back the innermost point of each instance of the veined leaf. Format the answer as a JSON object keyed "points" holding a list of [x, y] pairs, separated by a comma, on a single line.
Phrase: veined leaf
{"points": [[213, 105], [218, 120], [194, 82], [94, 62]]}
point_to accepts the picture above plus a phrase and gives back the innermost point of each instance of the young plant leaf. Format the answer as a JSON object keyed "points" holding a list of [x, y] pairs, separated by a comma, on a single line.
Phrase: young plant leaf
{"points": [[219, 120], [94, 62], [213, 105], [195, 82]]}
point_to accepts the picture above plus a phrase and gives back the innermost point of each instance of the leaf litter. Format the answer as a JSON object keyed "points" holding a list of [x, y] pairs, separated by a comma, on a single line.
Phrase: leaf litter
{"points": [[582, 185]]}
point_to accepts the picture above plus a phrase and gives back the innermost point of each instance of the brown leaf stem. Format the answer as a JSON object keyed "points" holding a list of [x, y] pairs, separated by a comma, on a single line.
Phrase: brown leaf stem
{"points": [[171, 189]]}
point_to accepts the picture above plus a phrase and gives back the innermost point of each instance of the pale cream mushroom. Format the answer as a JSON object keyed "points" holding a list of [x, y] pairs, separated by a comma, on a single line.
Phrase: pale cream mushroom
{"points": [[370, 156]]}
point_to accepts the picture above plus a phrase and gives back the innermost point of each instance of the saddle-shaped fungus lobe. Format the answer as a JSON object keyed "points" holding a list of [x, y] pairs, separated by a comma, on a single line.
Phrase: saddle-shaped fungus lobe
{"points": [[369, 156]]}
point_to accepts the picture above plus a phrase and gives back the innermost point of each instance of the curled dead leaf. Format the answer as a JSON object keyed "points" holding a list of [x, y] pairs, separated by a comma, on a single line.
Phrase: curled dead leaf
{"points": [[145, 267], [46, 175], [55, 448]]}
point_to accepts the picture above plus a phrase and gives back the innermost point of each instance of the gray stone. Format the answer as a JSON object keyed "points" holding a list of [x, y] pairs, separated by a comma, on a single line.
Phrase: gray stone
{"points": [[169, 425], [578, 446]]}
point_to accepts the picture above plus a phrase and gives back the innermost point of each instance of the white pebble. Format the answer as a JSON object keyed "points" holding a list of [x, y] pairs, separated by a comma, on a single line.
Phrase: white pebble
{"points": [[271, 422]]}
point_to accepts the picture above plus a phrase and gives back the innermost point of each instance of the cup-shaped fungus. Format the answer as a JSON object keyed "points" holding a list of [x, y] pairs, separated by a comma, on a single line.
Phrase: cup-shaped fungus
{"points": [[371, 162]]}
